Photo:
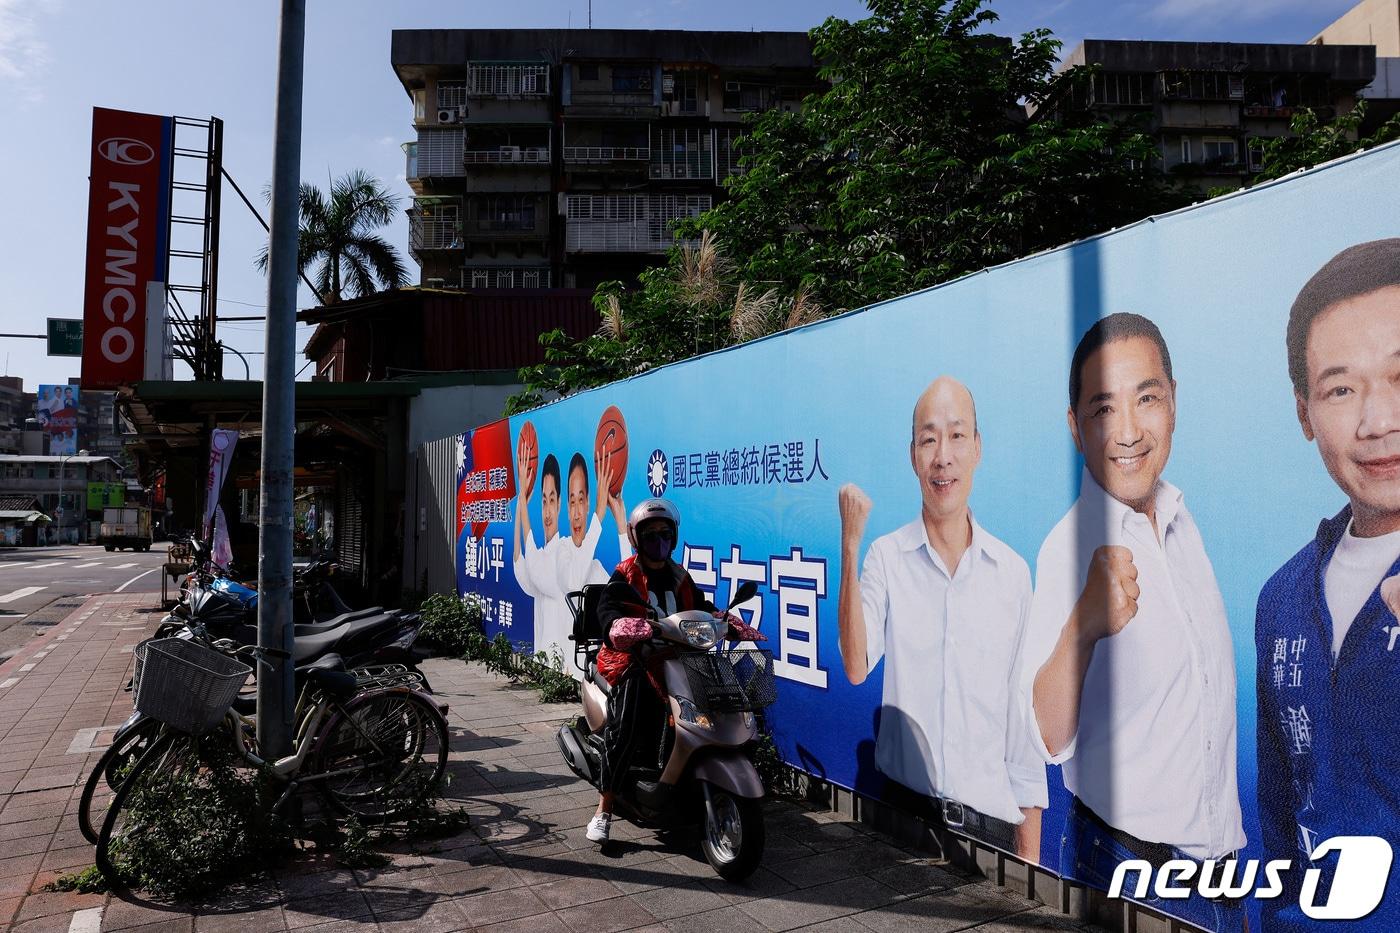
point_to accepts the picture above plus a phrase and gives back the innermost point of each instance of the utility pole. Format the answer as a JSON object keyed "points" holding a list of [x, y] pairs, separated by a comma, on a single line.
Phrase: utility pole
{"points": [[275, 689]]}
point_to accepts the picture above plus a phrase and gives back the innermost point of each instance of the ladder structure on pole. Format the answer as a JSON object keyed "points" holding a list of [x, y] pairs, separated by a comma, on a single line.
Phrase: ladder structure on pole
{"points": [[192, 282]]}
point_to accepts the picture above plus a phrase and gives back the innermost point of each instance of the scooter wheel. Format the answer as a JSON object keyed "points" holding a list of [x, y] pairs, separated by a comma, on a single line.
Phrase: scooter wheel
{"points": [[732, 839]]}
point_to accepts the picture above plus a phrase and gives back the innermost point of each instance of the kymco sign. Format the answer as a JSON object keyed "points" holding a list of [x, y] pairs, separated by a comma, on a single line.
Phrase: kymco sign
{"points": [[128, 208]]}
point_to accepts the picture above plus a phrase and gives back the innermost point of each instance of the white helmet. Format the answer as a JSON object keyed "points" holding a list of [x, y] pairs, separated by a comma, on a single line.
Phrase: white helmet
{"points": [[650, 509]]}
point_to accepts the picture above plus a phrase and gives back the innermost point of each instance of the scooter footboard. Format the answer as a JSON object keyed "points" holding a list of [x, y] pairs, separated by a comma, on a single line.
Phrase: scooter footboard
{"points": [[734, 773]]}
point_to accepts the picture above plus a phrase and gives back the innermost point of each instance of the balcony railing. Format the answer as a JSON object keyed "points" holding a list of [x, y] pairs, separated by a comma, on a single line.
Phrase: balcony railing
{"points": [[508, 155], [429, 234], [506, 80], [627, 223], [601, 154]]}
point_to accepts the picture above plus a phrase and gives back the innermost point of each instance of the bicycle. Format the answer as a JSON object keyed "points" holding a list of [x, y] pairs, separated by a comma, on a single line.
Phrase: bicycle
{"points": [[373, 744]]}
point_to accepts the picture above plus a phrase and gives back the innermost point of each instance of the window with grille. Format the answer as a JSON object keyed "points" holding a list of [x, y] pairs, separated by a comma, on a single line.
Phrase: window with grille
{"points": [[726, 154], [682, 153], [683, 89], [1219, 151], [629, 79], [1202, 85], [451, 94], [440, 152], [488, 79], [1125, 89]]}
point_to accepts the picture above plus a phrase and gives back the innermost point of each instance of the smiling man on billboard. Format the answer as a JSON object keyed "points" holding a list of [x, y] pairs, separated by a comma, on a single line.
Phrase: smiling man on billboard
{"points": [[1325, 633], [944, 604], [1136, 695]]}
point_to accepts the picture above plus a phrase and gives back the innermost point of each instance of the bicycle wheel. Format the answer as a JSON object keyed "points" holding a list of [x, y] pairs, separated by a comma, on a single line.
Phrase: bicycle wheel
{"points": [[381, 755], [125, 827], [109, 773]]}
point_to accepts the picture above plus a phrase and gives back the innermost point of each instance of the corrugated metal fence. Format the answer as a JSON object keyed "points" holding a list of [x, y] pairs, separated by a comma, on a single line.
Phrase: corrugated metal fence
{"points": [[429, 544]]}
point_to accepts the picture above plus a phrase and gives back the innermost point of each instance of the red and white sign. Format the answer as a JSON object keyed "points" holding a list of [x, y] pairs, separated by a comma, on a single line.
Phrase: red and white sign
{"points": [[127, 251]]}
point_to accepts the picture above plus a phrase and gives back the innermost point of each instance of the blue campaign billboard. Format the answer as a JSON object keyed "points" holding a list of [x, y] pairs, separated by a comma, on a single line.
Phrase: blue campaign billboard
{"points": [[1080, 546]]}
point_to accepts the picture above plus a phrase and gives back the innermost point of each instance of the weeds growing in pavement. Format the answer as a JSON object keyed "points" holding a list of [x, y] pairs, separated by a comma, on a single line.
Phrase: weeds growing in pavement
{"points": [[87, 881]]}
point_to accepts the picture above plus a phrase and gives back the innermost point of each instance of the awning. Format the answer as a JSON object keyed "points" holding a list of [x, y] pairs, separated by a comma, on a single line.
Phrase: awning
{"points": [[22, 516]]}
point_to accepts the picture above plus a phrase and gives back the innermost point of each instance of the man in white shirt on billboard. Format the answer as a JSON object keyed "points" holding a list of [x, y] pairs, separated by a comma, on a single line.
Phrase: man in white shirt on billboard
{"points": [[576, 564], [945, 605], [536, 567], [1128, 645]]}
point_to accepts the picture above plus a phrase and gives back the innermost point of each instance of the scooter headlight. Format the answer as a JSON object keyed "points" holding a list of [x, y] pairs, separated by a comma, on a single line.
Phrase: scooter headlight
{"points": [[701, 633], [692, 715]]}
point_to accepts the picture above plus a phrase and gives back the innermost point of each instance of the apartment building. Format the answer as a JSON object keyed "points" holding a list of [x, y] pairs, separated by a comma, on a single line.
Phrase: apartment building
{"points": [[562, 158], [1211, 105], [1377, 23]]}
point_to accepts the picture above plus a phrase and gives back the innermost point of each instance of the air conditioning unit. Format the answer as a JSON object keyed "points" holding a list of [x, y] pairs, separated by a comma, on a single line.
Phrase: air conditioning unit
{"points": [[732, 86], [663, 171], [510, 153], [538, 154], [447, 115], [434, 283], [681, 171]]}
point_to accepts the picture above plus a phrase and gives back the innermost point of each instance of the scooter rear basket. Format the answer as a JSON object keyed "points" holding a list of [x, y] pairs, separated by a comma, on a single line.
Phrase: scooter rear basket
{"points": [[731, 681]]}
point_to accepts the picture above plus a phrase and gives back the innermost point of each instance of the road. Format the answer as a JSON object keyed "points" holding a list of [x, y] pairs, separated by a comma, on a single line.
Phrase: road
{"points": [[38, 586]]}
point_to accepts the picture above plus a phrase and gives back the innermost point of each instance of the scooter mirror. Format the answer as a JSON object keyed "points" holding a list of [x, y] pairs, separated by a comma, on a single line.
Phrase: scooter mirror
{"points": [[747, 589]]}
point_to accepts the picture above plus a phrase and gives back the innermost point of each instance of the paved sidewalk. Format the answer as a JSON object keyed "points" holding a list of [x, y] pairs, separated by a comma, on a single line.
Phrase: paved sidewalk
{"points": [[522, 865]]}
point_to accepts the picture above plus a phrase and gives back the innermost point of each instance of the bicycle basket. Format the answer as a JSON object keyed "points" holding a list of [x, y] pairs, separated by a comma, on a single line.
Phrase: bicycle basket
{"points": [[732, 681], [184, 684]]}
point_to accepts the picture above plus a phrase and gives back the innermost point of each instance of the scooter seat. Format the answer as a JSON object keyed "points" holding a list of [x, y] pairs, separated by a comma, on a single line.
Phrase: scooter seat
{"points": [[309, 646], [316, 628]]}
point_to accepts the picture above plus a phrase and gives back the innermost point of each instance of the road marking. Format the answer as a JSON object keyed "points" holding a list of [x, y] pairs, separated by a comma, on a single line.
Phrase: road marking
{"points": [[15, 563], [125, 566], [135, 578], [96, 563], [25, 669], [52, 563], [21, 593], [39, 654], [9, 683], [86, 921]]}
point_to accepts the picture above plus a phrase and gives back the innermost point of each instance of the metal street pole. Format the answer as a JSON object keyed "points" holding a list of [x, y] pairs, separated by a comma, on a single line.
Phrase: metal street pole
{"points": [[275, 631]]}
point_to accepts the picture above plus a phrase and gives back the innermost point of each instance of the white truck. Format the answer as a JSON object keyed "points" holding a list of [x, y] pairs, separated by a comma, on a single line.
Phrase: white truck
{"points": [[129, 526]]}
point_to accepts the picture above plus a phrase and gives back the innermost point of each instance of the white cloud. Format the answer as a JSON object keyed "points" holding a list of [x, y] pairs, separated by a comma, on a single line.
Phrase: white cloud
{"points": [[23, 54]]}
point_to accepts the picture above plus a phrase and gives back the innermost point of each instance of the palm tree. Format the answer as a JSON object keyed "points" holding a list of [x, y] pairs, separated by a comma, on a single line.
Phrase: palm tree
{"points": [[337, 237]]}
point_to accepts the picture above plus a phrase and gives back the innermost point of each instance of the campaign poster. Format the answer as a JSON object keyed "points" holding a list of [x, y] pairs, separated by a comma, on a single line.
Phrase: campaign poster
{"points": [[1093, 556], [57, 410]]}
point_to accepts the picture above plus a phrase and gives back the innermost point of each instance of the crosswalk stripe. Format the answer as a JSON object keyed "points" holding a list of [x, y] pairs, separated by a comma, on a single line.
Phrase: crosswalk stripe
{"points": [[15, 563], [52, 563], [96, 563], [124, 566], [20, 593]]}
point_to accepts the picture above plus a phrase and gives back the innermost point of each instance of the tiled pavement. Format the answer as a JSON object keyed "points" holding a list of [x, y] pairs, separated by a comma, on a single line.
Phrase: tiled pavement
{"points": [[522, 865]]}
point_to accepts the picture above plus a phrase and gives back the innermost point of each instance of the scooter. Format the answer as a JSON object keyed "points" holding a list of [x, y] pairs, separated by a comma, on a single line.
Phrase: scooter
{"points": [[705, 774]]}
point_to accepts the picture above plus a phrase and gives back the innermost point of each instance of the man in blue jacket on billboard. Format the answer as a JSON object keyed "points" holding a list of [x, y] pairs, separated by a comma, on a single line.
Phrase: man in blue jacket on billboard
{"points": [[1328, 667]]}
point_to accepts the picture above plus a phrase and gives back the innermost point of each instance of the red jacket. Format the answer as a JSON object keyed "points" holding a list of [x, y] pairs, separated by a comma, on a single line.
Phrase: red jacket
{"points": [[627, 595]]}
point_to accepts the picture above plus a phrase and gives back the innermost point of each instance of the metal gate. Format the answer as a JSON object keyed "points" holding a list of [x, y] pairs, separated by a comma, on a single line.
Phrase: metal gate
{"points": [[431, 519]]}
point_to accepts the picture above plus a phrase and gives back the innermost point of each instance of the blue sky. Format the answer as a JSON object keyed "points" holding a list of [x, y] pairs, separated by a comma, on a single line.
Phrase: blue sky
{"points": [[60, 58]]}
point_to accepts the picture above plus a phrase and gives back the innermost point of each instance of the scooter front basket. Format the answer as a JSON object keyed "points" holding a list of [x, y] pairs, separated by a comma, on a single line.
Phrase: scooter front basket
{"points": [[731, 681]]}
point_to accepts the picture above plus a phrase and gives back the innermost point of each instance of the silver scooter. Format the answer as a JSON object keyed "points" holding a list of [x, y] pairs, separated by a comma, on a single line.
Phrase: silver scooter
{"points": [[703, 773]]}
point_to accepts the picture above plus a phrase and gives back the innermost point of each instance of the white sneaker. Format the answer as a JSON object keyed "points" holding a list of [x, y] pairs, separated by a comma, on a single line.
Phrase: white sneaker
{"points": [[599, 827]]}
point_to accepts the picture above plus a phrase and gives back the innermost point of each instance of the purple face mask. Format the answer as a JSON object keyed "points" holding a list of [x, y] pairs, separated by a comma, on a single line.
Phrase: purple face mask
{"points": [[656, 545]]}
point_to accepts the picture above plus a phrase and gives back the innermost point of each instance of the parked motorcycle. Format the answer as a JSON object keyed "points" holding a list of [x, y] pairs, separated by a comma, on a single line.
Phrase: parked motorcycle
{"points": [[705, 773]]}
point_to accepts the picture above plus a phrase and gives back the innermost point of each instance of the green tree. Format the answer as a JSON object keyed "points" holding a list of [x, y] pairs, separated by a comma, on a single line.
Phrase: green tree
{"points": [[1314, 140], [337, 236], [920, 164]]}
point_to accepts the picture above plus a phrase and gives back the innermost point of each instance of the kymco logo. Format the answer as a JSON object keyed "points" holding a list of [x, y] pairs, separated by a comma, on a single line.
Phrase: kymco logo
{"points": [[126, 151]]}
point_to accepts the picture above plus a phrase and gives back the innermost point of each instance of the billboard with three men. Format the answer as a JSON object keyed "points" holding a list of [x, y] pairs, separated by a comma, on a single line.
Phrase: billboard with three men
{"points": [[1093, 556]]}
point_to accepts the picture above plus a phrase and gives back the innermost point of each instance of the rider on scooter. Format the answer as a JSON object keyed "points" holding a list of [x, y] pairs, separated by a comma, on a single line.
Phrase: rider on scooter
{"points": [[649, 581]]}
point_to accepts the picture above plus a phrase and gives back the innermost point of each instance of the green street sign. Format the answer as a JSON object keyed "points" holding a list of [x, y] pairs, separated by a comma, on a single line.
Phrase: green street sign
{"points": [[65, 336]]}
